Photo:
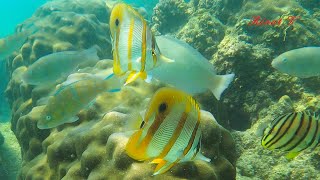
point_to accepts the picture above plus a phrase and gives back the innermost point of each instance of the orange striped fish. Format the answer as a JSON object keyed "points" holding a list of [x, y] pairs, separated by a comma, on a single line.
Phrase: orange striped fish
{"points": [[170, 132], [293, 132], [133, 44]]}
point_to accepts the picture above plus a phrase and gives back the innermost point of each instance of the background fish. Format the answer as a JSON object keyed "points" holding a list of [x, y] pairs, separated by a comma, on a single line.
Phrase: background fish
{"points": [[170, 132], [70, 98], [50, 68], [134, 47], [192, 72], [293, 132], [13, 43], [302, 62]]}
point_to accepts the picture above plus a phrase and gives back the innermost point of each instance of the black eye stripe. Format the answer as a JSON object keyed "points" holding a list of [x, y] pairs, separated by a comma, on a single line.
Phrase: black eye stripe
{"points": [[117, 22]]}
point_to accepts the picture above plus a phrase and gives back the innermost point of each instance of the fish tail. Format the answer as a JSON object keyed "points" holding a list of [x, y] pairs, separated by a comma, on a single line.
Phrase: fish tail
{"points": [[219, 83], [135, 75]]}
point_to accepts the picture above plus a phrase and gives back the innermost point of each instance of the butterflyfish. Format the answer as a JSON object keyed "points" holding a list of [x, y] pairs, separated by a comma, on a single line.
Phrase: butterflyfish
{"points": [[293, 133], [68, 100], [170, 131], [134, 48], [50, 68], [303, 62], [191, 72]]}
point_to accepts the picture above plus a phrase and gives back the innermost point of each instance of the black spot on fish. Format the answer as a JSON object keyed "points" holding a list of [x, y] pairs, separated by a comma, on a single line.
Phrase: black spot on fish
{"points": [[162, 107], [142, 124], [117, 22]]}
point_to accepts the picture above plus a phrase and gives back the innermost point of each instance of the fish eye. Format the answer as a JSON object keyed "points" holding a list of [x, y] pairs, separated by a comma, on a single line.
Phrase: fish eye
{"points": [[284, 60], [117, 22], [142, 124], [48, 117], [162, 107]]}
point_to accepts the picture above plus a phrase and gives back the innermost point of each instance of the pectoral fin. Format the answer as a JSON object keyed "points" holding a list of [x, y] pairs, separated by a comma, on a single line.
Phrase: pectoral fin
{"points": [[162, 167], [73, 119], [135, 75], [292, 155]]}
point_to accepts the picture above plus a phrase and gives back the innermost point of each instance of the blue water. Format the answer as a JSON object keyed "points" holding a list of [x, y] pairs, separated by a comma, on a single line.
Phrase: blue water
{"points": [[13, 12]]}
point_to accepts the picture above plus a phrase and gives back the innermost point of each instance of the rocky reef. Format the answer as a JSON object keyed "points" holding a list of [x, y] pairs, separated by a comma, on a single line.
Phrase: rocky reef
{"points": [[93, 147], [233, 43], [224, 32]]}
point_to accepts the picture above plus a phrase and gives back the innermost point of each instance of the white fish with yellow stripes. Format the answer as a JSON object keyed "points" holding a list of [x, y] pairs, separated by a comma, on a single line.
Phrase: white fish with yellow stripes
{"points": [[293, 132], [133, 45], [170, 131]]}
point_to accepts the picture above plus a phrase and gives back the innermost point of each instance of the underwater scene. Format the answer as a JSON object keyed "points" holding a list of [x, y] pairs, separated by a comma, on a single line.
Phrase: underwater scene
{"points": [[160, 89]]}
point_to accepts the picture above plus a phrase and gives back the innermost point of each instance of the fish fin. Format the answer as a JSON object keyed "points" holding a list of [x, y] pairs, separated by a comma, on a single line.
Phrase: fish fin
{"points": [[292, 155], [135, 75], [200, 156], [91, 103], [219, 83], [109, 76], [114, 90], [166, 59], [135, 149], [156, 161], [134, 122], [73, 119], [43, 101], [148, 79], [163, 166]]}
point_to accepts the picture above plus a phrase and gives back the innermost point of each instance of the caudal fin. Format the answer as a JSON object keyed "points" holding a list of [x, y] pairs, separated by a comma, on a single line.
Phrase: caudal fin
{"points": [[219, 83]]}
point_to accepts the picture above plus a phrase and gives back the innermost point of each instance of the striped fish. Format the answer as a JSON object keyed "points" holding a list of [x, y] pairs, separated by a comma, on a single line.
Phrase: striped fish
{"points": [[170, 132], [133, 44], [293, 132]]}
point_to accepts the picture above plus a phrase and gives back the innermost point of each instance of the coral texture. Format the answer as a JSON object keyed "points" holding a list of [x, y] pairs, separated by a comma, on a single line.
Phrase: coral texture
{"points": [[93, 147]]}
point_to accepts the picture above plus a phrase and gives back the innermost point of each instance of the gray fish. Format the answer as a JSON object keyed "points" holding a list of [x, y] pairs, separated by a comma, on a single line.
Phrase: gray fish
{"points": [[52, 67], [12, 43]]}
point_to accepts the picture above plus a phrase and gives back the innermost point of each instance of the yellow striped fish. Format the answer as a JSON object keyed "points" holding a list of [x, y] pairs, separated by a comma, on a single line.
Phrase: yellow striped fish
{"points": [[293, 132], [133, 44], [170, 132]]}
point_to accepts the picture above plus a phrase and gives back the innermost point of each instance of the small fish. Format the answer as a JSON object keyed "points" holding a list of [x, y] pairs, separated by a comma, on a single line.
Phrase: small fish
{"points": [[50, 68], [293, 132], [191, 72], [13, 43], [302, 62], [133, 44], [170, 132], [74, 96]]}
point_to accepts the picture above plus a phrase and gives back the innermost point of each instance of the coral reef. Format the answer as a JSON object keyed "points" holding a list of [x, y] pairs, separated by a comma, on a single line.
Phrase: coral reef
{"points": [[251, 102], [93, 147], [10, 154]]}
